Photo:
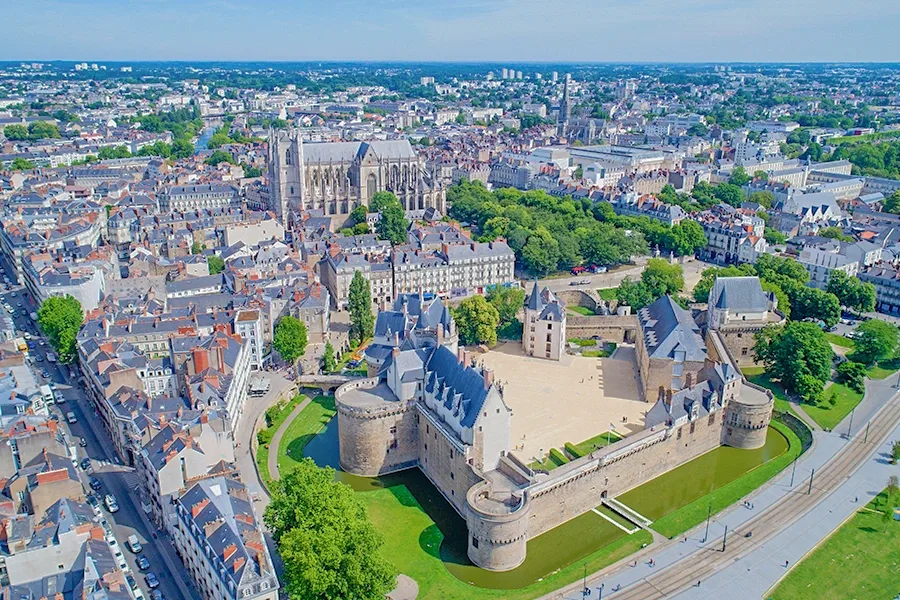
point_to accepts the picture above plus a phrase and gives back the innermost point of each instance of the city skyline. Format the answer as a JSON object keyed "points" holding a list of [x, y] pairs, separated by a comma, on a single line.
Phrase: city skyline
{"points": [[472, 31]]}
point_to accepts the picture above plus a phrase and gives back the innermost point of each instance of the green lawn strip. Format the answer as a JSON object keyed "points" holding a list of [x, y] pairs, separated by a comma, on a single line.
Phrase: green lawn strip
{"points": [[275, 415], [694, 513], [608, 294], [581, 310], [412, 544], [839, 340], [828, 416], [884, 369], [595, 353], [302, 429], [598, 441], [582, 342], [859, 561], [758, 376]]}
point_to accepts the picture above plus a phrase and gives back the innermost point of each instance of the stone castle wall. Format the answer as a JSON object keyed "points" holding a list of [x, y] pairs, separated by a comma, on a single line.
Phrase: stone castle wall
{"points": [[497, 538], [608, 327]]}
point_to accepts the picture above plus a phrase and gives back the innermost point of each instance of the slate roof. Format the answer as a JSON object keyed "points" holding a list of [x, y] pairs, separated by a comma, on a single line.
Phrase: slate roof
{"points": [[738, 293], [667, 328], [461, 386]]}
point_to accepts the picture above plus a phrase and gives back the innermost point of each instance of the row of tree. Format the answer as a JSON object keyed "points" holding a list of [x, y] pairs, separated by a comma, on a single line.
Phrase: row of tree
{"points": [[36, 130]]}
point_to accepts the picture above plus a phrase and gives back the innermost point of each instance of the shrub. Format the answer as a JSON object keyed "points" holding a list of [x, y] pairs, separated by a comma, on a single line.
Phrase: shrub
{"points": [[572, 451], [558, 457]]}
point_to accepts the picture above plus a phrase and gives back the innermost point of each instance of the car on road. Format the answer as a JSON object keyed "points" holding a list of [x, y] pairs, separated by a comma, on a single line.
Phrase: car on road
{"points": [[81, 441], [46, 374], [152, 581], [134, 544], [18, 305], [580, 282], [71, 418], [95, 484], [111, 504], [59, 398], [157, 595], [86, 464], [142, 563], [95, 504]]}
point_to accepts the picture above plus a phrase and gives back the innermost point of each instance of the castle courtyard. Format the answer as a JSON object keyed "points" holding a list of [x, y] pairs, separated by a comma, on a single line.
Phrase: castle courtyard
{"points": [[570, 400]]}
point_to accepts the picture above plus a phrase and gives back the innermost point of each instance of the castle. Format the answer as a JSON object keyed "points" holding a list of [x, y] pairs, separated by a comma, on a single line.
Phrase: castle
{"points": [[336, 177], [544, 331], [428, 406]]}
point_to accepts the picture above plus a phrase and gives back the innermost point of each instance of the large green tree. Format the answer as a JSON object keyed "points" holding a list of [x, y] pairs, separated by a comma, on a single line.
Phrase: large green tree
{"points": [[507, 300], [60, 318], [662, 278], [688, 238], [215, 263], [541, 252], [798, 354], [329, 547], [329, 363], [477, 321], [635, 294], [812, 303], [393, 224], [15, 132], [875, 340], [739, 177], [851, 292], [290, 338], [381, 200], [359, 304]]}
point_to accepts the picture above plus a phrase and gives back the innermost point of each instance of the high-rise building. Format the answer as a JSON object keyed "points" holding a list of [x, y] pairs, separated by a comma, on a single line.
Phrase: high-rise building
{"points": [[554, 77], [504, 73]]}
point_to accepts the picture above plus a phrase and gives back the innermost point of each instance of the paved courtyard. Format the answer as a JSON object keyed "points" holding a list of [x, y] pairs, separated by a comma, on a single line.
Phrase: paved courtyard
{"points": [[567, 401]]}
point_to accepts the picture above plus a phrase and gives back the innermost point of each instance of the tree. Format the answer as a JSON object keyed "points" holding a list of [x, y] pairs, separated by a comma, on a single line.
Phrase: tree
{"points": [[729, 194], [739, 177], [688, 238], [393, 224], [875, 340], [662, 278], [835, 233], [798, 354], [852, 292], [21, 164], [15, 132], [634, 294], [891, 203], [39, 130], [329, 363], [507, 301], [215, 263], [112, 152], [853, 374], [477, 321], [541, 252], [763, 198], [358, 214], [197, 248], [359, 303], [812, 303], [60, 318], [290, 338], [219, 156], [895, 452], [774, 237], [329, 547], [709, 276]]}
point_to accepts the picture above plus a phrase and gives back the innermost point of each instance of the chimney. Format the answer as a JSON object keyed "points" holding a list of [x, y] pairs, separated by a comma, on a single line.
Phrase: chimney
{"points": [[395, 351], [461, 355], [669, 397], [467, 358], [440, 334], [488, 375]]}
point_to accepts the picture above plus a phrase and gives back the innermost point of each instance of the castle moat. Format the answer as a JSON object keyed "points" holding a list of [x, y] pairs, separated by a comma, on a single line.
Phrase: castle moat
{"points": [[570, 542]]}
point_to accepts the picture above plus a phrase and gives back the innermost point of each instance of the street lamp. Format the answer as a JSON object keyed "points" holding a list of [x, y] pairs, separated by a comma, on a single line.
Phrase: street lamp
{"points": [[708, 514], [585, 591], [600, 591]]}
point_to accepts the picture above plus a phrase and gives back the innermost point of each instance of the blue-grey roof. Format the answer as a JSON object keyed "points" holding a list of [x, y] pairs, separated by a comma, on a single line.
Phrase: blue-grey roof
{"points": [[738, 293], [461, 382], [667, 328]]}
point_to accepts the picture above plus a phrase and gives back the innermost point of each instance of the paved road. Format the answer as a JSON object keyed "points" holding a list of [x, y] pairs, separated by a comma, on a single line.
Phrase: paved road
{"points": [[276, 439], [785, 520], [692, 272], [117, 480]]}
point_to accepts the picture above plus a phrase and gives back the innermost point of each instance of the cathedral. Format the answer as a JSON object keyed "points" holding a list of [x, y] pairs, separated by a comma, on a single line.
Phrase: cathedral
{"points": [[336, 177]]}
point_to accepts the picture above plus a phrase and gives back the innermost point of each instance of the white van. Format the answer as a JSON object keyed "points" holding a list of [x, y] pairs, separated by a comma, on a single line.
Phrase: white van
{"points": [[47, 394], [71, 418]]}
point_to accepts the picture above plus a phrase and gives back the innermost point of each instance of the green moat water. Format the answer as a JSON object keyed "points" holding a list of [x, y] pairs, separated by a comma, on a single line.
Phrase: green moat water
{"points": [[570, 542]]}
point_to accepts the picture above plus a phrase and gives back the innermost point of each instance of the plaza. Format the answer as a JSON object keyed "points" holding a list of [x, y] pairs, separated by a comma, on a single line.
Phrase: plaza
{"points": [[569, 400]]}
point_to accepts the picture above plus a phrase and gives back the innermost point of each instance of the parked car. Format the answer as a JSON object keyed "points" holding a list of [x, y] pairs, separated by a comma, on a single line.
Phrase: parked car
{"points": [[152, 581], [60, 399], [85, 464], [131, 581], [111, 504], [134, 544], [157, 595], [142, 563], [82, 442], [95, 484], [71, 418]]}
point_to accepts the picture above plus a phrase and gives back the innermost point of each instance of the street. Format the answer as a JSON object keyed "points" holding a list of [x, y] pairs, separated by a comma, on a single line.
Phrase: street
{"points": [[693, 270], [117, 480]]}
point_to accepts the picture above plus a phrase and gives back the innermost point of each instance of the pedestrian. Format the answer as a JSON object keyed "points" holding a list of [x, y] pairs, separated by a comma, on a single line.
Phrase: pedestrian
{"points": [[785, 564], [698, 583]]}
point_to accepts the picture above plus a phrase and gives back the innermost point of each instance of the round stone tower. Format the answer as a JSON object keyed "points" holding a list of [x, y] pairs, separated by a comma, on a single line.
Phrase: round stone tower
{"points": [[498, 529], [747, 418], [377, 434]]}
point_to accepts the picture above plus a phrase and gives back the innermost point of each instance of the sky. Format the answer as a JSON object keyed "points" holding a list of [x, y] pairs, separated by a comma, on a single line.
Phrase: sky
{"points": [[453, 30]]}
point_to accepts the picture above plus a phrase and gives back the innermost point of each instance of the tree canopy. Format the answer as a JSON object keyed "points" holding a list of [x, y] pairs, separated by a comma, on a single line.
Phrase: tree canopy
{"points": [[290, 338], [798, 354], [60, 318], [359, 304], [215, 263], [851, 292], [477, 321], [507, 300], [393, 224], [329, 547], [875, 340], [658, 279], [329, 363]]}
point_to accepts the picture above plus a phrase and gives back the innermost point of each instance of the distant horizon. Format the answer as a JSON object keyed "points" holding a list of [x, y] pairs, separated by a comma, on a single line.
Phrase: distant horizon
{"points": [[491, 63], [464, 31]]}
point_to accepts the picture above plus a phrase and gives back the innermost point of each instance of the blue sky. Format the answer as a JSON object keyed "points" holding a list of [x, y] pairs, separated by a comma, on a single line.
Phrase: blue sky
{"points": [[451, 30]]}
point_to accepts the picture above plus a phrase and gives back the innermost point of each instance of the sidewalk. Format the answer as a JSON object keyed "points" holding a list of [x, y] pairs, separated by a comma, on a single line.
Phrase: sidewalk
{"points": [[871, 478], [276, 439]]}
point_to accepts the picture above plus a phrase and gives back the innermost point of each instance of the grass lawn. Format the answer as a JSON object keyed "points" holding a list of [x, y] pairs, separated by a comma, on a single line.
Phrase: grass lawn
{"points": [[595, 353], [884, 369], [275, 416], [839, 340], [693, 513], [581, 310], [758, 376], [859, 561], [598, 441], [828, 416], [413, 541], [608, 294], [308, 423]]}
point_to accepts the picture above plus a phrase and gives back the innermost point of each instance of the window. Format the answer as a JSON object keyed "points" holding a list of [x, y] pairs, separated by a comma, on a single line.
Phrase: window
{"points": [[474, 542], [693, 424], [712, 419], [452, 476], [679, 434]]}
